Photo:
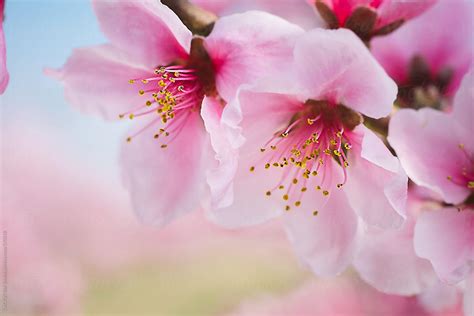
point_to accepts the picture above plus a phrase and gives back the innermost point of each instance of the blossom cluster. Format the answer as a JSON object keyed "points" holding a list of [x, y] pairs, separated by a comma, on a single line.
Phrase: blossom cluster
{"points": [[352, 124]]}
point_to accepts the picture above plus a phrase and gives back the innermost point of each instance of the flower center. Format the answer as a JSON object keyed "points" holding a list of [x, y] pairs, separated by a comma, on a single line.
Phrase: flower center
{"points": [[423, 88], [171, 94], [315, 138], [466, 177]]}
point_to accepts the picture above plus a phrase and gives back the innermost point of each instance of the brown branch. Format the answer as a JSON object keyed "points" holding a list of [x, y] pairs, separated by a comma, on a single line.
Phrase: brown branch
{"points": [[196, 19]]}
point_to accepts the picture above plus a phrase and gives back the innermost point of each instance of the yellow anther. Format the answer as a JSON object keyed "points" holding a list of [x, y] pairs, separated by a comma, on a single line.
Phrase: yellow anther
{"points": [[284, 134], [461, 146], [449, 178], [131, 116], [285, 197], [148, 103], [164, 76], [303, 189], [327, 151], [156, 136], [268, 193], [314, 173], [267, 165], [318, 187], [281, 187], [144, 81], [180, 88], [129, 139], [176, 74], [287, 208], [346, 164], [295, 181], [131, 81], [315, 213], [339, 134], [339, 185], [310, 121], [325, 193], [164, 146], [470, 184], [121, 116], [336, 152], [347, 146], [276, 164], [273, 147], [297, 203], [252, 169], [141, 92], [262, 149], [333, 142]]}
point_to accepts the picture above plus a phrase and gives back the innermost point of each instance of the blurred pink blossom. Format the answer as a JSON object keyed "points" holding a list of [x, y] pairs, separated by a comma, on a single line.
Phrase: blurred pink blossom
{"points": [[343, 296], [303, 151], [437, 152], [434, 49], [3, 55], [368, 18], [169, 181]]}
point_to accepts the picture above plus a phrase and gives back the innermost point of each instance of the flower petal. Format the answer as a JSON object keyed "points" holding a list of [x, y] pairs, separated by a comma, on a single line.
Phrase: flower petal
{"points": [[334, 65], [446, 238], [3, 61], [96, 81], [463, 111], [245, 47], [394, 10], [165, 183], [375, 170], [387, 261], [427, 144], [146, 29], [325, 242]]}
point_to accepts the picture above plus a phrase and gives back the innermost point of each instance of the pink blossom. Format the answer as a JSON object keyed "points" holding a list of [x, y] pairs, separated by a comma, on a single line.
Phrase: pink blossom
{"points": [[302, 150], [368, 18], [156, 71], [437, 152], [386, 259], [343, 296], [3, 55], [432, 52], [298, 12]]}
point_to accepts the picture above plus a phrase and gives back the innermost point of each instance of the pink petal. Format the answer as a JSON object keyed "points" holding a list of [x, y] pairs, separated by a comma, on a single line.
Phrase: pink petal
{"points": [[166, 183], [375, 171], [147, 30], [427, 144], [442, 36], [334, 65], [446, 238], [245, 131], [245, 47], [463, 111], [394, 10], [468, 301], [387, 261], [325, 242], [96, 81], [3, 61]]}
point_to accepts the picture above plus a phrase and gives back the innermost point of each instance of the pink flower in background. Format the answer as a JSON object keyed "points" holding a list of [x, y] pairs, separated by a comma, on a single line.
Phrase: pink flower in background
{"points": [[3, 55], [298, 12], [344, 296], [437, 152], [428, 56], [155, 71], [368, 18], [302, 150]]}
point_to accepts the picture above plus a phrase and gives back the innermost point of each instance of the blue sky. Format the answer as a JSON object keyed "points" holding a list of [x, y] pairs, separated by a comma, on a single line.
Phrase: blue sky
{"points": [[42, 34]]}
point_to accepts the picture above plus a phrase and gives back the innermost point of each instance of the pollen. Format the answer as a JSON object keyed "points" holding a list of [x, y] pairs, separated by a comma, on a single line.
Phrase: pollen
{"points": [[252, 169]]}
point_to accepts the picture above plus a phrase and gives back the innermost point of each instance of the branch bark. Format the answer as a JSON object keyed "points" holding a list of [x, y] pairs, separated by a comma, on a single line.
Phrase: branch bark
{"points": [[196, 19]]}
